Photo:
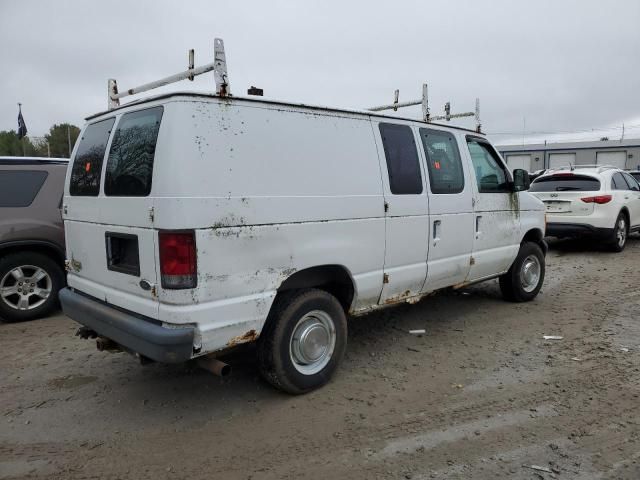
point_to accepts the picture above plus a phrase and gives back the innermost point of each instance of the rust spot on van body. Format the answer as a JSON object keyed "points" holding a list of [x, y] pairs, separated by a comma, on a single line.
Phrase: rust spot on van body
{"points": [[398, 298], [250, 336]]}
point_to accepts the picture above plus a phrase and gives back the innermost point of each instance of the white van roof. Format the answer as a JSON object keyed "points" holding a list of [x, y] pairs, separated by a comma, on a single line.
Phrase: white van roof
{"points": [[275, 102]]}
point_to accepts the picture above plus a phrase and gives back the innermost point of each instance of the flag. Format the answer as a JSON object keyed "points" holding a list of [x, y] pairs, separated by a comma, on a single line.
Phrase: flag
{"points": [[22, 127]]}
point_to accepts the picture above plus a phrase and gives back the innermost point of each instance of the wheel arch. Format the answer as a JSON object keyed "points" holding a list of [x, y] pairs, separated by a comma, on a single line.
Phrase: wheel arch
{"points": [[334, 279], [536, 236], [41, 246]]}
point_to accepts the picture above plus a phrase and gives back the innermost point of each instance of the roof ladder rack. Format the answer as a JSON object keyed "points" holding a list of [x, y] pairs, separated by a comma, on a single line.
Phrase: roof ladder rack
{"points": [[426, 115], [219, 67]]}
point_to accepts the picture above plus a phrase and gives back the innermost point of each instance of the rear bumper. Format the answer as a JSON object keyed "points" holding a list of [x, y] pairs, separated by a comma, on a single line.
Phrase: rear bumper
{"points": [[562, 230], [166, 345]]}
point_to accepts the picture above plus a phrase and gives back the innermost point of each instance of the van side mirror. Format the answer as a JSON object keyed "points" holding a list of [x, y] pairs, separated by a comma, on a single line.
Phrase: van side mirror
{"points": [[521, 180]]}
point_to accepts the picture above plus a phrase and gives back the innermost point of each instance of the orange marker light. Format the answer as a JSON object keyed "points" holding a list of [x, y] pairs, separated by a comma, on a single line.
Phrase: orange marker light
{"points": [[87, 167], [437, 165]]}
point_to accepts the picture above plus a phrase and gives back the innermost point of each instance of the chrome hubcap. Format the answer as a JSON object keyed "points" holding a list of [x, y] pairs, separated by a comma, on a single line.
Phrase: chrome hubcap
{"points": [[25, 287], [621, 233], [530, 273], [312, 342]]}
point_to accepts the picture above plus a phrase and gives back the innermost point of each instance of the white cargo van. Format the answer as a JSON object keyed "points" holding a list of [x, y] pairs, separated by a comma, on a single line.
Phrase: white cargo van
{"points": [[196, 223]]}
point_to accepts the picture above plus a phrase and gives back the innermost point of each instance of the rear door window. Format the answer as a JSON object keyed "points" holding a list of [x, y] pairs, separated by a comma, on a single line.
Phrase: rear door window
{"points": [[403, 164], [443, 161], [565, 183], [130, 164], [87, 166], [632, 182], [18, 188], [618, 182]]}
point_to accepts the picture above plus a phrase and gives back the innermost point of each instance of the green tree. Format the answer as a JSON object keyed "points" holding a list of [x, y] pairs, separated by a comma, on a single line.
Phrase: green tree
{"points": [[58, 138], [11, 145]]}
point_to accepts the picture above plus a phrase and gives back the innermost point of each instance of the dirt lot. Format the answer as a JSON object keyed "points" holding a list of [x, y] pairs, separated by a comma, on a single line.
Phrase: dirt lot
{"points": [[481, 395]]}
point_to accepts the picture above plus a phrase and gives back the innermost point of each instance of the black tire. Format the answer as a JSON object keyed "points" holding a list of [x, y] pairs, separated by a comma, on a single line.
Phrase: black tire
{"points": [[9, 263], [512, 283], [275, 358], [620, 234]]}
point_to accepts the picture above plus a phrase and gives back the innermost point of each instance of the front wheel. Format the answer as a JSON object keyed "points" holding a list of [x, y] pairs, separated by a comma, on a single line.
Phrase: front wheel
{"points": [[523, 280], [303, 341]]}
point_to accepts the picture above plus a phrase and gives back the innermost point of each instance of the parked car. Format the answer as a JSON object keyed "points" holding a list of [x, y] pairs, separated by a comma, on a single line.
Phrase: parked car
{"points": [[598, 201], [31, 236], [221, 221]]}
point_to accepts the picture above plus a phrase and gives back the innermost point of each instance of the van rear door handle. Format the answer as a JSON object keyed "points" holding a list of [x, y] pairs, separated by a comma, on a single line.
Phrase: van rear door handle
{"points": [[478, 232], [437, 226]]}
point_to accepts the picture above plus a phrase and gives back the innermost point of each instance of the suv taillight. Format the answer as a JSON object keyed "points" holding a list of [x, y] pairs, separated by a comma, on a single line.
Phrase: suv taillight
{"points": [[599, 199], [178, 260]]}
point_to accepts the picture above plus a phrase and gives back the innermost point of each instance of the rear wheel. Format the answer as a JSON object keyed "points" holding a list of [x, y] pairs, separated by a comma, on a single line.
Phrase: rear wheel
{"points": [[303, 341], [29, 285], [524, 279], [620, 234]]}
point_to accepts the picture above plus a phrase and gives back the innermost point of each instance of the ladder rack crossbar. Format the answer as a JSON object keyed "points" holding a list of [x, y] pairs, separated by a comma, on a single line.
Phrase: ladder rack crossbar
{"points": [[187, 74]]}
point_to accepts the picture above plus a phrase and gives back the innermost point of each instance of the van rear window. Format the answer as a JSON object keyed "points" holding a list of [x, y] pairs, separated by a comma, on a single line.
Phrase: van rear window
{"points": [[130, 164], [565, 183], [87, 166]]}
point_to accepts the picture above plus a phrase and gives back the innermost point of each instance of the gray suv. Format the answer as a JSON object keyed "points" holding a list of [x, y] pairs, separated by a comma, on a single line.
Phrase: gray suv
{"points": [[31, 236]]}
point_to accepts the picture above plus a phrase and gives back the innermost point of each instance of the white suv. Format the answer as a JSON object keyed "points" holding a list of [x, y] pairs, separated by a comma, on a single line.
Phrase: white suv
{"points": [[598, 201]]}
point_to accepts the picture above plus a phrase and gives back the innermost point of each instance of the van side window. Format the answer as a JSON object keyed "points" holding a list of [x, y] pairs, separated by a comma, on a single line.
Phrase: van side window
{"points": [[130, 164], [443, 161], [87, 166], [401, 153], [490, 173]]}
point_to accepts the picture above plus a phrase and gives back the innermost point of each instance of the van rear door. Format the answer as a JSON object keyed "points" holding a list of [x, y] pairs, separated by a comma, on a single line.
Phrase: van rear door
{"points": [[110, 240]]}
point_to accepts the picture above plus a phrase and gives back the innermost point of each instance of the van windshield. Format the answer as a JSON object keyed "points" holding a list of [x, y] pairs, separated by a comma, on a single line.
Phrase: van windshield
{"points": [[130, 164], [565, 183]]}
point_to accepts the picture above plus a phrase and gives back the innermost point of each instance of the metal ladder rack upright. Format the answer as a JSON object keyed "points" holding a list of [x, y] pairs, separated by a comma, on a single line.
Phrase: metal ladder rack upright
{"points": [[218, 66], [426, 115]]}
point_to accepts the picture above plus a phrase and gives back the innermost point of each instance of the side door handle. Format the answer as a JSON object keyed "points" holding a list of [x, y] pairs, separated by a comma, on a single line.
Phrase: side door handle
{"points": [[478, 221], [437, 227]]}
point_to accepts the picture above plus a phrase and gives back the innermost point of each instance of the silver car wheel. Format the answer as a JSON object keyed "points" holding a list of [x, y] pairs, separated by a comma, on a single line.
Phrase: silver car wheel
{"points": [[312, 342], [621, 232], [530, 273], [25, 287]]}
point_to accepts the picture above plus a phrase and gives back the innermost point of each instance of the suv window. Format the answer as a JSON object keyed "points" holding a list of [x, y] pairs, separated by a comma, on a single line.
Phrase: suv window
{"points": [[403, 164], [443, 161], [87, 166], [565, 182], [618, 182], [633, 183], [490, 173], [130, 164], [18, 188]]}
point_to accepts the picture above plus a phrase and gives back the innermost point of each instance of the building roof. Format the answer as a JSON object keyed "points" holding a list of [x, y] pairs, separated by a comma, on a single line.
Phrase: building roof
{"points": [[599, 145]]}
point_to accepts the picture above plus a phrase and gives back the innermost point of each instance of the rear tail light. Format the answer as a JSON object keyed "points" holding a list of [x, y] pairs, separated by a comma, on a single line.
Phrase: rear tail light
{"points": [[178, 267], [599, 199]]}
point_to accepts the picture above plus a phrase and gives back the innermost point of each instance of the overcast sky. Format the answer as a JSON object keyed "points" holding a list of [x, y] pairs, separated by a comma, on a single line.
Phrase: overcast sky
{"points": [[547, 66]]}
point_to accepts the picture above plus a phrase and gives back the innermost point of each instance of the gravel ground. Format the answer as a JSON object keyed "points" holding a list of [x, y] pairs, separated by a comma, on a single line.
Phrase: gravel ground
{"points": [[480, 395]]}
